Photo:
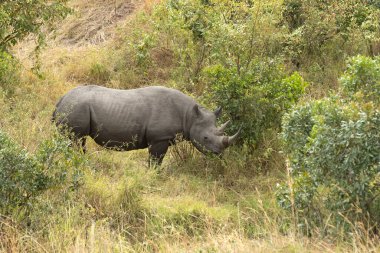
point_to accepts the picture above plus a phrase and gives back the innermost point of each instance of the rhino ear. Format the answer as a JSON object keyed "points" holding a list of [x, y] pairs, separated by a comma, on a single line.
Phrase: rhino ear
{"points": [[218, 112], [196, 110]]}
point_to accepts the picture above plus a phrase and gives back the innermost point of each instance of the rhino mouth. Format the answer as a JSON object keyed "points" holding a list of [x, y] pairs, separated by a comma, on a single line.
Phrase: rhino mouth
{"points": [[212, 153], [207, 151]]}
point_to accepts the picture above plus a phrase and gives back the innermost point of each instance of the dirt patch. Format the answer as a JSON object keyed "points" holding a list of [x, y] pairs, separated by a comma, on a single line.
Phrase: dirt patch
{"points": [[93, 21]]}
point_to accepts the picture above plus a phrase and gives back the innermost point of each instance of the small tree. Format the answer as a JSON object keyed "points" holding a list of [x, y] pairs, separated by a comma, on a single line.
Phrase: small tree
{"points": [[256, 100], [24, 175], [19, 18]]}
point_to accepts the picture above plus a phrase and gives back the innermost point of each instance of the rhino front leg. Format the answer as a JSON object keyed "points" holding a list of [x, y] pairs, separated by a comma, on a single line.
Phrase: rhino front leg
{"points": [[157, 152]]}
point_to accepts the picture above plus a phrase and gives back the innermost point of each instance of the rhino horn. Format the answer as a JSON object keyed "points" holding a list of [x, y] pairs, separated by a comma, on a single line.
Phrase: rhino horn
{"points": [[223, 127], [229, 140]]}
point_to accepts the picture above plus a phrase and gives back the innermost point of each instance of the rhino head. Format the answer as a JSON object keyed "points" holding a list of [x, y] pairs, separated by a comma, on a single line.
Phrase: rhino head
{"points": [[205, 135]]}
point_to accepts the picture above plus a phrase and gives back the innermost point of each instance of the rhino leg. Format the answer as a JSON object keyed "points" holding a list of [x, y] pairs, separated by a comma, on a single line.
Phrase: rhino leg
{"points": [[157, 152]]}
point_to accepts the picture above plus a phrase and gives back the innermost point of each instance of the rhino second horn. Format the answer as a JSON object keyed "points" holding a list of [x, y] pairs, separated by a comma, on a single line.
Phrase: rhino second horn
{"points": [[223, 127]]}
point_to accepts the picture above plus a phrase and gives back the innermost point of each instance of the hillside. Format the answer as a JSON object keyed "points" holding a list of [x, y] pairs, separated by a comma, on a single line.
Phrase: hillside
{"points": [[246, 57]]}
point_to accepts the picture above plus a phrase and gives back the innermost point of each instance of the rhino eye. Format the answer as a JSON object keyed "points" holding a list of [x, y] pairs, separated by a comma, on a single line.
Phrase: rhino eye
{"points": [[205, 137]]}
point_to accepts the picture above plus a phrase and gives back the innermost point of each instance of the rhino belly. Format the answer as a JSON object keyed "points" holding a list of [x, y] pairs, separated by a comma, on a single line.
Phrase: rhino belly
{"points": [[119, 141], [120, 133]]}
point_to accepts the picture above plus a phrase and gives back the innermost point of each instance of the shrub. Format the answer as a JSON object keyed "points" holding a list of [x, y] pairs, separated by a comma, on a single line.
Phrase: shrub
{"points": [[21, 177], [61, 163], [333, 150], [362, 75], [292, 14], [311, 22], [9, 74], [333, 147], [24, 176], [255, 100]]}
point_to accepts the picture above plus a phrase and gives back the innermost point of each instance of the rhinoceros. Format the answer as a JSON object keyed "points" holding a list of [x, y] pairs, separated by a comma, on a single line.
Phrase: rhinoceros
{"points": [[149, 117]]}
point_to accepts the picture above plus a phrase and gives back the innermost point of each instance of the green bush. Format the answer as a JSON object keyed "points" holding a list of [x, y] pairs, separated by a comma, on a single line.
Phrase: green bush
{"points": [[292, 14], [311, 22], [62, 163], [21, 177], [333, 149], [9, 74], [256, 100], [362, 75], [375, 3], [24, 176]]}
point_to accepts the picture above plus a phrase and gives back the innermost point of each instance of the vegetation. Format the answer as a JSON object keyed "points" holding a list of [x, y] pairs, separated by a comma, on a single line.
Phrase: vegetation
{"points": [[25, 176], [18, 19], [301, 77], [9, 73], [256, 100], [362, 76], [333, 146]]}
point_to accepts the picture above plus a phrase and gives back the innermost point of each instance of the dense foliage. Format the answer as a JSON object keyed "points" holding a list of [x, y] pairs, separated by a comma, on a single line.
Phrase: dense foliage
{"points": [[184, 37], [256, 100], [24, 176], [334, 146], [21, 177], [362, 76], [321, 31], [232, 34]]}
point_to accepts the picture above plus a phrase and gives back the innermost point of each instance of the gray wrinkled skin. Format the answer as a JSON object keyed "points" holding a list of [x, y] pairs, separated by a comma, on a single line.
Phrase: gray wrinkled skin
{"points": [[138, 118]]}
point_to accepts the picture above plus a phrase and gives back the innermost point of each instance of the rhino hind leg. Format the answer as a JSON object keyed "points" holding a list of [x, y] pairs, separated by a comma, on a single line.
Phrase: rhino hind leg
{"points": [[157, 152]]}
